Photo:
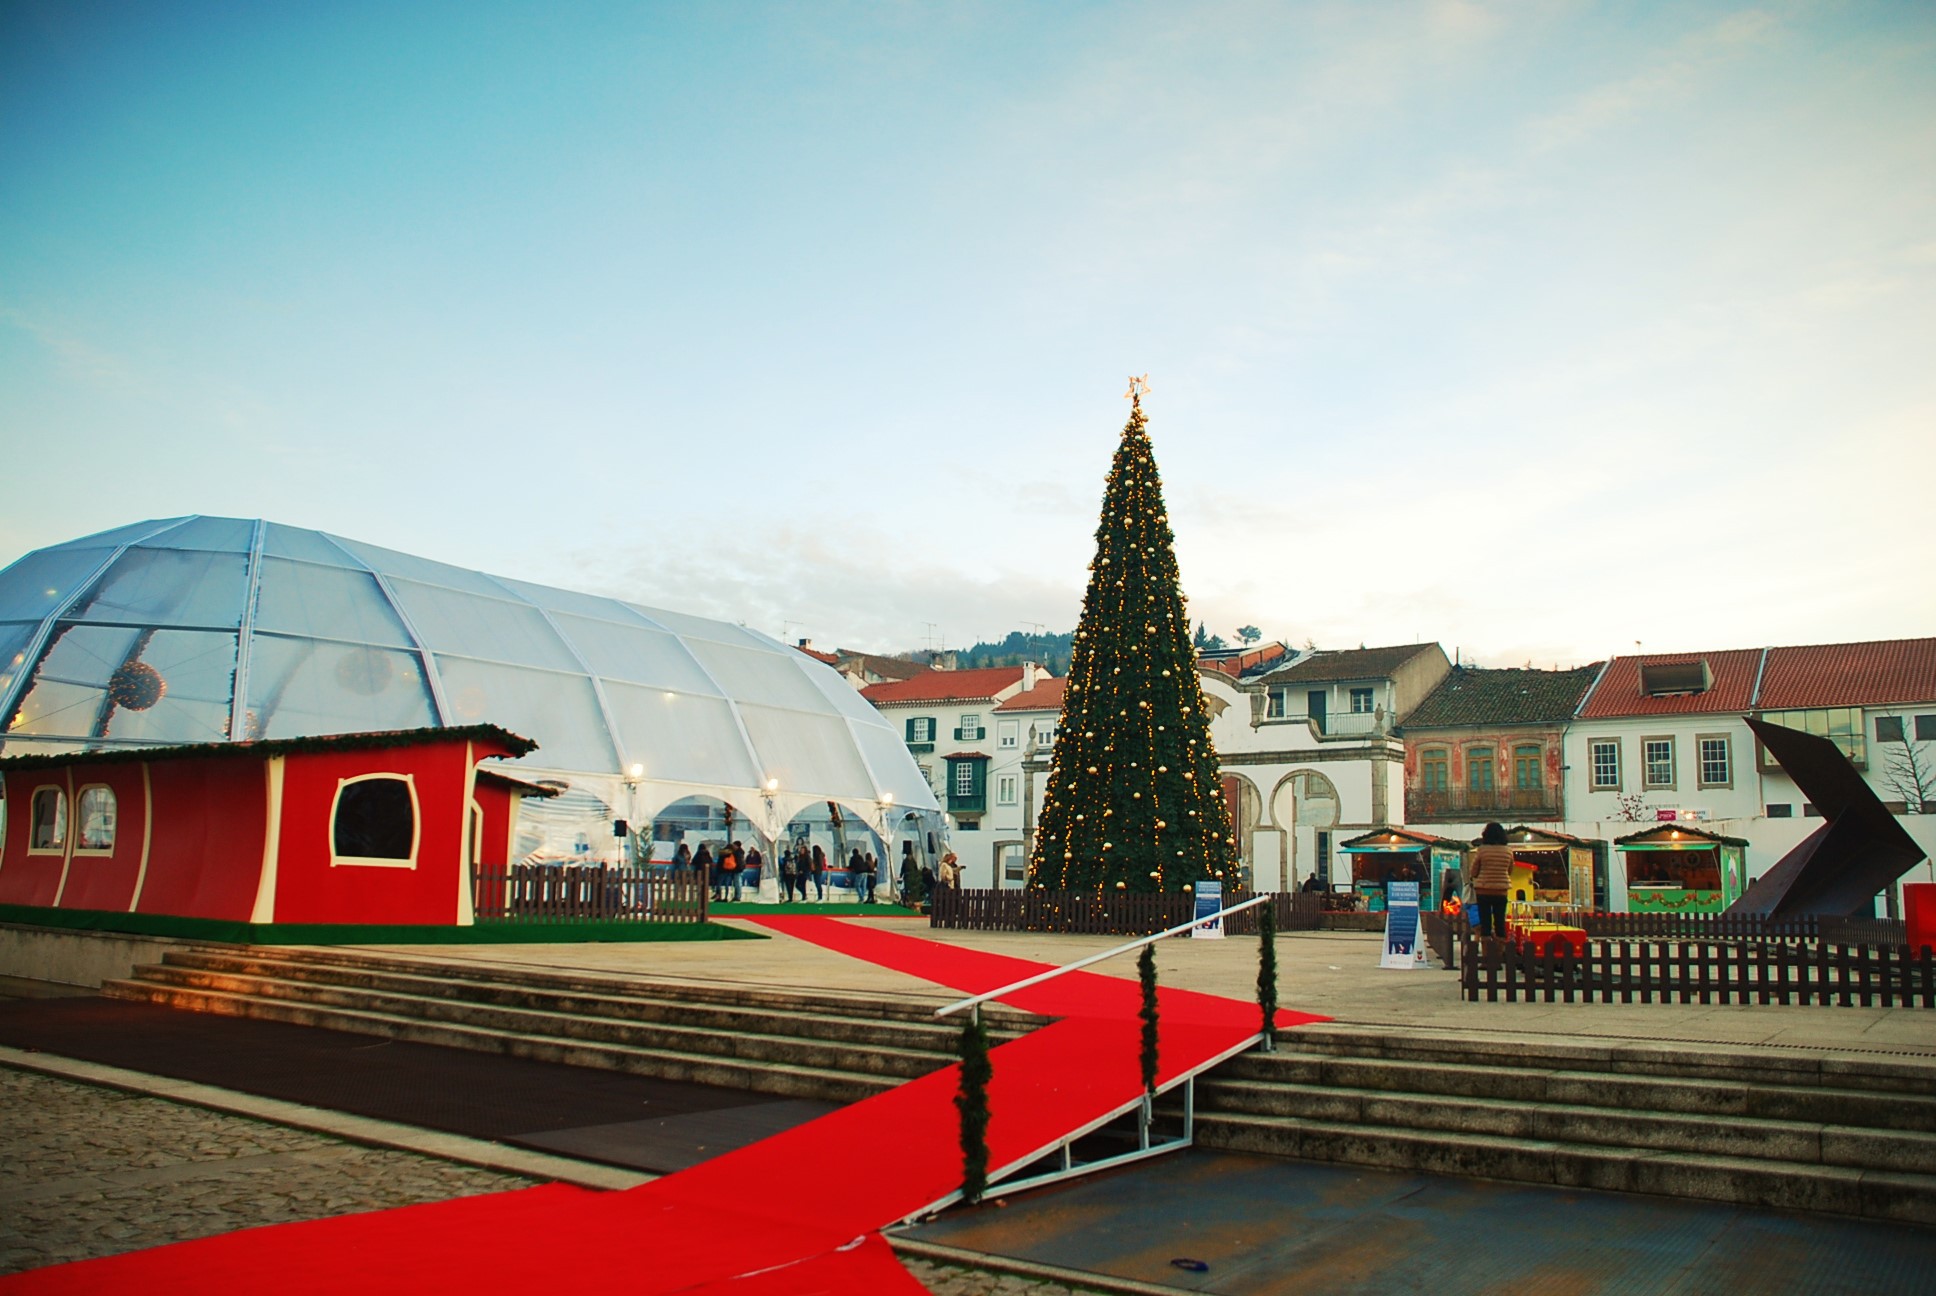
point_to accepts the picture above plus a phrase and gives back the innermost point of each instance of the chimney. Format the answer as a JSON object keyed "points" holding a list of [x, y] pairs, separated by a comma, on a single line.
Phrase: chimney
{"points": [[1029, 673], [806, 643]]}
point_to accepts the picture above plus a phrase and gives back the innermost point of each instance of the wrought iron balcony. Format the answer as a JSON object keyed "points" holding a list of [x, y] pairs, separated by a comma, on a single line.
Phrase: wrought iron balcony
{"points": [[1468, 803]]}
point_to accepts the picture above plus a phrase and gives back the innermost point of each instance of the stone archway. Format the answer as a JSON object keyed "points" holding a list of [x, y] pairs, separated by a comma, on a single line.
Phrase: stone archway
{"points": [[1246, 806], [1304, 804]]}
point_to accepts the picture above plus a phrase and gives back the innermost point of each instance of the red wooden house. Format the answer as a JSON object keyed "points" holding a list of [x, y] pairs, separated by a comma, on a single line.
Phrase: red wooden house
{"points": [[353, 828]]}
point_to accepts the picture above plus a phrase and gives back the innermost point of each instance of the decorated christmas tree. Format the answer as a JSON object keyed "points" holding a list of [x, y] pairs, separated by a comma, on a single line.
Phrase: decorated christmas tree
{"points": [[1134, 801]]}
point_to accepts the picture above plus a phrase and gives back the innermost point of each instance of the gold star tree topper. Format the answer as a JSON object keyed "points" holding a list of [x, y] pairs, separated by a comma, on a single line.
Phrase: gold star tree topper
{"points": [[1138, 388]]}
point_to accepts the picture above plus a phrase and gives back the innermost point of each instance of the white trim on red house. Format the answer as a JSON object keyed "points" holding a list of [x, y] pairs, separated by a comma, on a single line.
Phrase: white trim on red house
{"points": [[416, 823], [147, 837], [265, 887]]}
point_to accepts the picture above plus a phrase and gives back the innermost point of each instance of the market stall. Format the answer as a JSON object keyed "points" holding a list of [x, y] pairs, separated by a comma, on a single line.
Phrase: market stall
{"points": [[1552, 870], [1678, 869], [1401, 855]]}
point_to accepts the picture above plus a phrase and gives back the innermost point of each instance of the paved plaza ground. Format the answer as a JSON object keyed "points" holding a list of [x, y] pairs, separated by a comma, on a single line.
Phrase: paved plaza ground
{"points": [[89, 1170]]}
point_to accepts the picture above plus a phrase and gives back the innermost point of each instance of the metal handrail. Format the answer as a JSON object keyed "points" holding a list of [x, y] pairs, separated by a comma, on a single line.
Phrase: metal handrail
{"points": [[1138, 943]]}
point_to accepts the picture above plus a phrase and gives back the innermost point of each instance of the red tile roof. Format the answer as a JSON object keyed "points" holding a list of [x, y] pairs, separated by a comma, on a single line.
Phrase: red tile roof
{"points": [[1619, 694], [945, 686], [816, 654], [1045, 696], [1238, 664], [1879, 673]]}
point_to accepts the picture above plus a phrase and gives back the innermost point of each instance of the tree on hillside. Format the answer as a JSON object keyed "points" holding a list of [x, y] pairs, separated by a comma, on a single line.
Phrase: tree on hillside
{"points": [[1133, 799]]}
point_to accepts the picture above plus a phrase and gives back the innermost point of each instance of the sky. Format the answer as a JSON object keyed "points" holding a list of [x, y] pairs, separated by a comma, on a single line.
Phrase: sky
{"points": [[1541, 330]]}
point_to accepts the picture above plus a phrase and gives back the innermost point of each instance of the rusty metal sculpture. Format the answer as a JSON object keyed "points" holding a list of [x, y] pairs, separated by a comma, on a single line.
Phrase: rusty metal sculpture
{"points": [[1837, 870]]}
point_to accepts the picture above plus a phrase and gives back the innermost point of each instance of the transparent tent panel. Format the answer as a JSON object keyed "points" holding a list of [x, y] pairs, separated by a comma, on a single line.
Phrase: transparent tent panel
{"points": [[701, 629], [218, 534], [680, 738], [172, 587], [38, 585], [553, 599], [304, 546], [423, 570], [762, 677], [299, 687], [558, 712], [496, 629], [844, 697], [892, 765], [115, 537], [328, 602], [182, 695], [15, 638], [807, 753], [634, 653]]}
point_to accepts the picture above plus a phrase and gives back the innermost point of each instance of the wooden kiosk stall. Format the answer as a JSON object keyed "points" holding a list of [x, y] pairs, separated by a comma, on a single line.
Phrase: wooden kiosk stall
{"points": [[1675, 868], [1399, 855], [1554, 871]]}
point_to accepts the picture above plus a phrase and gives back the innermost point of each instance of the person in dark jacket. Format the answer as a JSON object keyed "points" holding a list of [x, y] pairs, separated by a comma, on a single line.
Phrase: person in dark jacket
{"points": [[789, 872], [703, 863], [817, 869]]}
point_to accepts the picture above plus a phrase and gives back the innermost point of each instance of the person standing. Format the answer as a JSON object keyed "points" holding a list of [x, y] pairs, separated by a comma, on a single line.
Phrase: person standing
{"points": [[729, 866], [1492, 867], [950, 870], [703, 864], [870, 870], [789, 871], [819, 872], [910, 876], [853, 871]]}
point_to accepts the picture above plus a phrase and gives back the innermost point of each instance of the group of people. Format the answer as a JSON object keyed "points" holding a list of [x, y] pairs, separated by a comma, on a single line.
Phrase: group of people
{"points": [[803, 865], [728, 871]]}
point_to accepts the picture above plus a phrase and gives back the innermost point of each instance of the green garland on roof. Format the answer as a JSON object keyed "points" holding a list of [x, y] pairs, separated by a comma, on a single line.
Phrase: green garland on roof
{"points": [[514, 744]]}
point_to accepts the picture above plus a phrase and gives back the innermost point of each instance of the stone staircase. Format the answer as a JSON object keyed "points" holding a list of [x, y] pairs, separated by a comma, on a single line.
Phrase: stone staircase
{"points": [[1782, 1128], [831, 1047]]}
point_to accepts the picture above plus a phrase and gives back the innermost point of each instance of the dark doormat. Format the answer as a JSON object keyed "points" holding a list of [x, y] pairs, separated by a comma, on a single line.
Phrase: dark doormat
{"points": [[480, 1095], [667, 1143]]}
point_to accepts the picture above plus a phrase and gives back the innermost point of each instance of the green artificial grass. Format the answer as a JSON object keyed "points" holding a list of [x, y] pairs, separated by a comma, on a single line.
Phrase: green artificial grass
{"points": [[483, 933]]}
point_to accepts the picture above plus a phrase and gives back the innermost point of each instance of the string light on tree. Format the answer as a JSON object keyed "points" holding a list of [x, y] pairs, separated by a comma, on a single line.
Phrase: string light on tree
{"points": [[1133, 756]]}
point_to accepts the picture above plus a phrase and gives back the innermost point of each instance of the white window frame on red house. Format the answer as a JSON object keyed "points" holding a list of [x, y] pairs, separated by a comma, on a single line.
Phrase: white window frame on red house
{"points": [[374, 861]]}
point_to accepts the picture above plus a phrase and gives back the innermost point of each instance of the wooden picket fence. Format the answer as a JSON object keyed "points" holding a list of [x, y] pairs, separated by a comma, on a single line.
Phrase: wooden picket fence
{"points": [[1110, 913], [1704, 972], [543, 893]]}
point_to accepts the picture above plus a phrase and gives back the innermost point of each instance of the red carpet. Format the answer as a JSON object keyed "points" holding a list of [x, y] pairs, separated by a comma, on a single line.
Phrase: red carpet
{"points": [[796, 1213]]}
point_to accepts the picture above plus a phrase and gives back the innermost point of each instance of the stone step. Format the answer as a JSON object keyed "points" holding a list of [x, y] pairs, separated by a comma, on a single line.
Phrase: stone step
{"points": [[1796, 1141], [748, 1075], [325, 963], [1526, 1082], [807, 1022], [744, 1045], [1748, 1064], [1771, 1184]]}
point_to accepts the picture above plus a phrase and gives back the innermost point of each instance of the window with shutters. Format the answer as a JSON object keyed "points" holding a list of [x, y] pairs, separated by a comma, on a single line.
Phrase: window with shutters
{"points": [[1478, 771], [1528, 769], [1434, 769]]}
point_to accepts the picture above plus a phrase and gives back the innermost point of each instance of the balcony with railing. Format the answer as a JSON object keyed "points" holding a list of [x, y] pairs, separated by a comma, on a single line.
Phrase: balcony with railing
{"points": [[1425, 804]]}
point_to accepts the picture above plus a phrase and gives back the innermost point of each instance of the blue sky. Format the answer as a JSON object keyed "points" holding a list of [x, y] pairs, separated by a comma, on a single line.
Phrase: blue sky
{"points": [[1536, 329]]}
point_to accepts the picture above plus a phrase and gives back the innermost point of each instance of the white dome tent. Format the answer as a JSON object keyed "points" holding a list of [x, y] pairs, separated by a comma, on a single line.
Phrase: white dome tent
{"points": [[204, 629]]}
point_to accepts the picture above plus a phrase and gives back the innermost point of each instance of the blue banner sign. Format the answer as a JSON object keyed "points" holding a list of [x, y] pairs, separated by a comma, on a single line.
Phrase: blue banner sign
{"points": [[1401, 925], [1209, 900]]}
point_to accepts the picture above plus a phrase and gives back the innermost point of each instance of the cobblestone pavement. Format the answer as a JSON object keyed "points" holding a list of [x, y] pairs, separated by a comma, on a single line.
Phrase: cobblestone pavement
{"points": [[947, 1280], [90, 1172], [86, 1172]]}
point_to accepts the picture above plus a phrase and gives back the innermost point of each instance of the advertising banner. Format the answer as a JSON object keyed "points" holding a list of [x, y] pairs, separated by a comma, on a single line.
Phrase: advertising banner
{"points": [[1401, 925], [1209, 900]]}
